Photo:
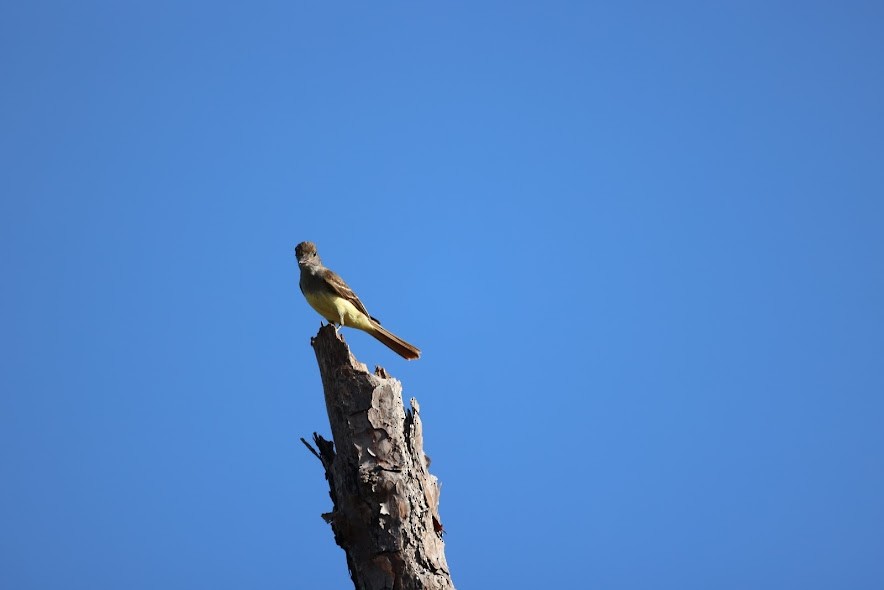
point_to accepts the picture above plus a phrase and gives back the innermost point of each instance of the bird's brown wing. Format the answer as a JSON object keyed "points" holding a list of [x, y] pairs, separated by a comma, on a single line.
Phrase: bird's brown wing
{"points": [[337, 284]]}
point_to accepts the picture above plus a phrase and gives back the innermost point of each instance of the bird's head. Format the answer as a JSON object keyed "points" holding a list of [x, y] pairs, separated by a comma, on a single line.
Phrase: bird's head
{"points": [[306, 253]]}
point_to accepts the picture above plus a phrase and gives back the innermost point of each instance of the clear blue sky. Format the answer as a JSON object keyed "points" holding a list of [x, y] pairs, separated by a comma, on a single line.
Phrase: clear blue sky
{"points": [[639, 244]]}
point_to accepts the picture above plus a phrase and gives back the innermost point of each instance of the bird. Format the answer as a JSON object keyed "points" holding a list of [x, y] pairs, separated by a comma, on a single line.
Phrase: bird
{"points": [[328, 294]]}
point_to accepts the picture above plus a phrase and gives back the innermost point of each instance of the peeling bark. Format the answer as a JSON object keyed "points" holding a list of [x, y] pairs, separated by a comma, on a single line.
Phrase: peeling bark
{"points": [[385, 502]]}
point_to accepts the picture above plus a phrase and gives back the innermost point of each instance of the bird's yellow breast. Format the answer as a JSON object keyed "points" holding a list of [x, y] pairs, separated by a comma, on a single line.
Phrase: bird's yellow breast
{"points": [[338, 310]]}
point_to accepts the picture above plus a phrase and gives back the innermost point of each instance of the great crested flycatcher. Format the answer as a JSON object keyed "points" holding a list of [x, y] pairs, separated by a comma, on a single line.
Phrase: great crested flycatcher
{"points": [[327, 293]]}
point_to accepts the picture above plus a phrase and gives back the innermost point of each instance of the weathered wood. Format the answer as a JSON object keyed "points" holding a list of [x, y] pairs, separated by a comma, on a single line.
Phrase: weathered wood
{"points": [[385, 502]]}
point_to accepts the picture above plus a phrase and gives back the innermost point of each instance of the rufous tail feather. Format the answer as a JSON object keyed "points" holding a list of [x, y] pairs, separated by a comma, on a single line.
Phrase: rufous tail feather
{"points": [[395, 343]]}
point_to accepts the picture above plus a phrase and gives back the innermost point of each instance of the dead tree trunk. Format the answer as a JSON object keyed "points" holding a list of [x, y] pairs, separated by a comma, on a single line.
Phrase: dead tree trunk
{"points": [[385, 514]]}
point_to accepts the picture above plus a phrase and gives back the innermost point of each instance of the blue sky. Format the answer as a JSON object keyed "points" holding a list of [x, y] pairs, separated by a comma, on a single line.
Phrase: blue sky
{"points": [[639, 245]]}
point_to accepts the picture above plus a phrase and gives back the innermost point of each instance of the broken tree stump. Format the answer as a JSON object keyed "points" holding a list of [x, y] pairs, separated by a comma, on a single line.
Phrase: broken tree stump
{"points": [[385, 502]]}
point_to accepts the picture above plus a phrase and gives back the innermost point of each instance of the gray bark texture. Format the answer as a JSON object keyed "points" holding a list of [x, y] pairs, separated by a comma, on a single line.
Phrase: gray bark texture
{"points": [[385, 502]]}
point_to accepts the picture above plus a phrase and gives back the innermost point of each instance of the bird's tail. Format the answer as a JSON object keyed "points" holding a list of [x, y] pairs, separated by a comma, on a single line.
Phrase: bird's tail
{"points": [[394, 342]]}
